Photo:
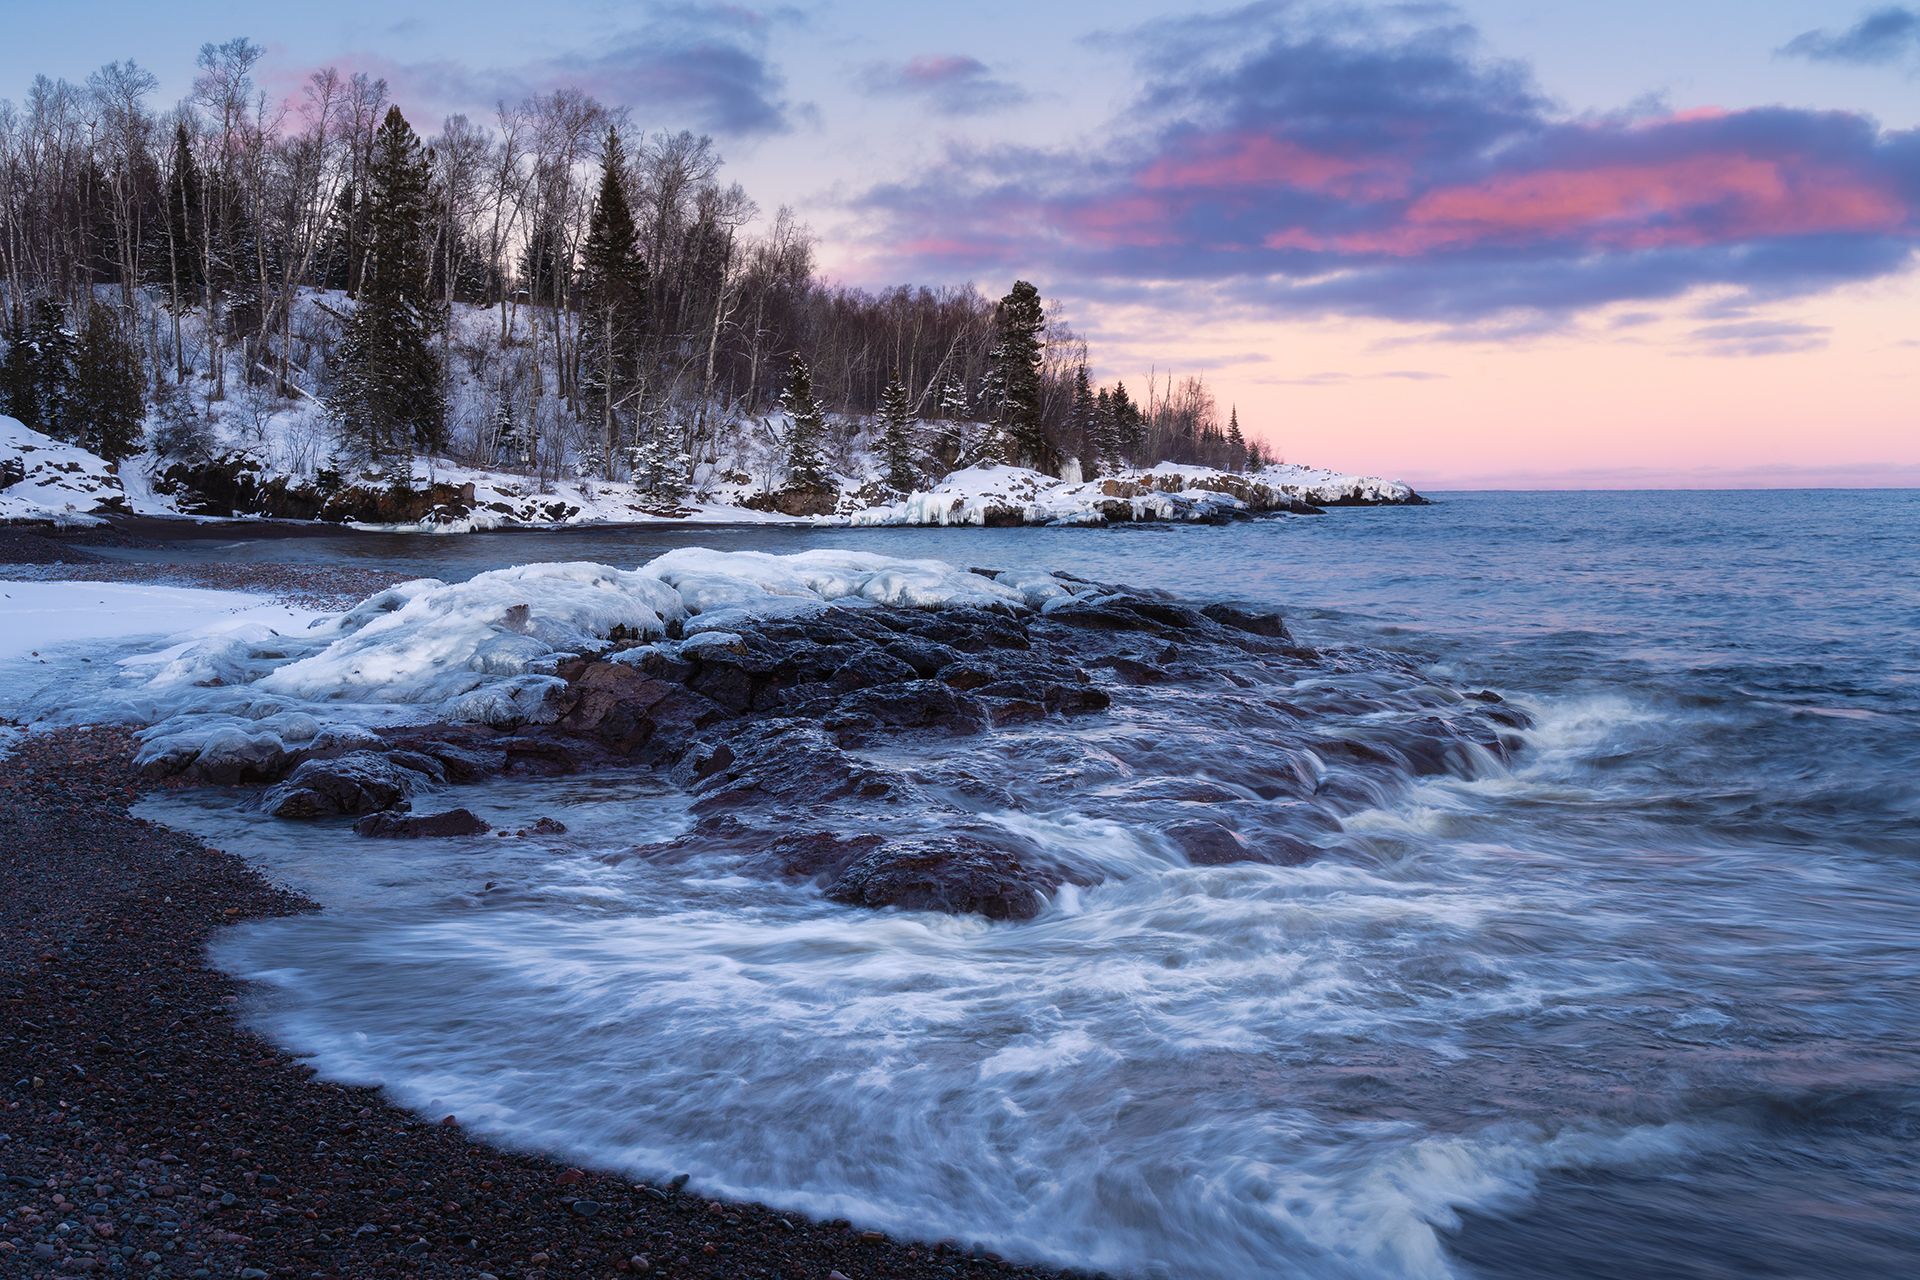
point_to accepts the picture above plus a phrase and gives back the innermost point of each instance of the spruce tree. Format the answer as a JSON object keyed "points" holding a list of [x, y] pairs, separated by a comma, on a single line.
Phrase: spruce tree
{"points": [[1126, 425], [1080, 424], [1013, 376], [806, 469], [37, 383], [953, 401], [1106, 444], [613, 296], [1236, 442], [388, 395], [896, 443], [107, 403]]}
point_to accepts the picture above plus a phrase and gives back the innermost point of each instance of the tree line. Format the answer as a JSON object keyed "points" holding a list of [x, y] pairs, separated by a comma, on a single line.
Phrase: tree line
{"points": [[550, 289]]}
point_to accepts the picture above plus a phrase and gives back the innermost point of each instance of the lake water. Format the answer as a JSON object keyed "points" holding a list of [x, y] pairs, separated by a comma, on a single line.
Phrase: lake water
{"points": [[1645, 1002]]}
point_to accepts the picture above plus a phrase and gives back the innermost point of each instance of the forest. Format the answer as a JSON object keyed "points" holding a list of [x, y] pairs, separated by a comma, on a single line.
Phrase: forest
{"points": [[556, 290]]}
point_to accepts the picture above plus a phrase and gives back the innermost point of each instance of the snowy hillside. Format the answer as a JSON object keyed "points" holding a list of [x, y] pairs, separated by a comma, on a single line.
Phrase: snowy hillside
{"points": [[46, 480]]}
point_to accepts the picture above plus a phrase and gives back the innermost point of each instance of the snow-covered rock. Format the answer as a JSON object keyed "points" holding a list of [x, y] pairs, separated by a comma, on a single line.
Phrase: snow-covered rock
{"points": [[485, 651], [45, 479], [1001, 495]]}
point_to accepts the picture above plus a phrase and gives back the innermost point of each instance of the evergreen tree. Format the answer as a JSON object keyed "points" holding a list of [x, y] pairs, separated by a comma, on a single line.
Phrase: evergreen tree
{"points": [[333, 260], [806, 468], [1013, 377], [953, 401], [37, 381], [660, 467], [388, 396], [1080, 424], [896, 444], [1128, 425], [107, 403], [1236, 442], [509, 441], [613, 296], [1105, 449]]}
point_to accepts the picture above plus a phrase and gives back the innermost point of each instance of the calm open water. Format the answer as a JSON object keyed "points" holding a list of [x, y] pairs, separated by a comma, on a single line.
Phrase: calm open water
{"points": [[1646, 1003]]}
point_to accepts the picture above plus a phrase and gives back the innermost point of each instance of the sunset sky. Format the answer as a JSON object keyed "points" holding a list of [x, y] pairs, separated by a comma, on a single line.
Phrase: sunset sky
{"points": [[1499, 242]]}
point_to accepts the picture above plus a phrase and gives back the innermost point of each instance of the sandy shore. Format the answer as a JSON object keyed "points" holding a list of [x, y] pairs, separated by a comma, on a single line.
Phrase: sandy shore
{"points": [[145, 1132]]}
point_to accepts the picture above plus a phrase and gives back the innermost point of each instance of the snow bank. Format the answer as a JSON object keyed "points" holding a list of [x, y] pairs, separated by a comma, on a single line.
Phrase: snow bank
{"points": [[42, 616], [999, 495], [485, 650], [44, 479]]}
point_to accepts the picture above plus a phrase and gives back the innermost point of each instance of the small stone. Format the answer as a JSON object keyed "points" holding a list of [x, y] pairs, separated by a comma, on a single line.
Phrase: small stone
{"points": [[639, 1263], [252, 1273], [586, 1208]]}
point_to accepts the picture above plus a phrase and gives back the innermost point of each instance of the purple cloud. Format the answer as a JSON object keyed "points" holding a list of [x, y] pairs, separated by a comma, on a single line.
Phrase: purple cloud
{"points": [[1288, 161], [953, 84], [1885, 35]]}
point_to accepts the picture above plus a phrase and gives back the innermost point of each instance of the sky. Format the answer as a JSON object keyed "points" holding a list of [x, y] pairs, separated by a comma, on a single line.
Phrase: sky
{"points": [[1492, 243]]}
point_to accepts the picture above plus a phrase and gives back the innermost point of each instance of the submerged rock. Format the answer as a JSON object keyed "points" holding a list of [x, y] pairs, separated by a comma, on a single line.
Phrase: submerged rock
{"points": [[954, 874], [454, 822]]}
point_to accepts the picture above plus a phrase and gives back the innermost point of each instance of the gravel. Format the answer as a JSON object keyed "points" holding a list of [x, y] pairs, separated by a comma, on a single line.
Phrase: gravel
{"points": [[145, 1132]]}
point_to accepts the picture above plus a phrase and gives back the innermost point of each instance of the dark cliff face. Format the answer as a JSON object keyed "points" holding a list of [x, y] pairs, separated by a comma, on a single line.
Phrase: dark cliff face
{"points": [[233, 486]]}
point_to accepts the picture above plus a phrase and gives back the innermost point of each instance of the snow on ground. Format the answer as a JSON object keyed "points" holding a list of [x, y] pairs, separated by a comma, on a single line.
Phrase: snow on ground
{"points": [[989, 494], [44, 479], [63, 645], [40, 617], [485, 650]]}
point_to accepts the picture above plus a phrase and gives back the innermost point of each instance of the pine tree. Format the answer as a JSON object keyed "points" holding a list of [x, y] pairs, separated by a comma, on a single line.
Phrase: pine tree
{"points": [[953, 401], [509, 442], [1013, 377], [1127, 425], [613, 295], [660, 467], [896, 443], [37, 382], [107, 402], [1080, 423], [806, 469], [1236, 442], [388, 397], [1105, 449]]}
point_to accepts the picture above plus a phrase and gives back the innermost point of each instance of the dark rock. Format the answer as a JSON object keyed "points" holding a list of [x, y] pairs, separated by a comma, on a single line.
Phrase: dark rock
{"points": [[614, 704], [913, 704], [545, 827], [454, 822], [355, 783], [955, 874], [869, 668], [924, 656], [1256, 622]]}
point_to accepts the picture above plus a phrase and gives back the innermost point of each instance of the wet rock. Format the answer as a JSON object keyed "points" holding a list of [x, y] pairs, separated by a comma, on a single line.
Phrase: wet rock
{"points": [[958, 874], [870, 667], [356, 783], [924, 656], [613, 704], [454, 822], [1254, 621], [545, 827], [911, 704]]}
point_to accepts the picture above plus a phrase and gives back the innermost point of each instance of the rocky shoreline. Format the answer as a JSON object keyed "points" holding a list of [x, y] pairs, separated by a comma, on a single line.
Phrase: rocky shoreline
{"points": [[145, 1132]]}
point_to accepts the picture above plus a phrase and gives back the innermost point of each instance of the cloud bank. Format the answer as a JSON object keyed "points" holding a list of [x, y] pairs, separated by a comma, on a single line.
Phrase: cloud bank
{"points": [[1292, 160]]}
